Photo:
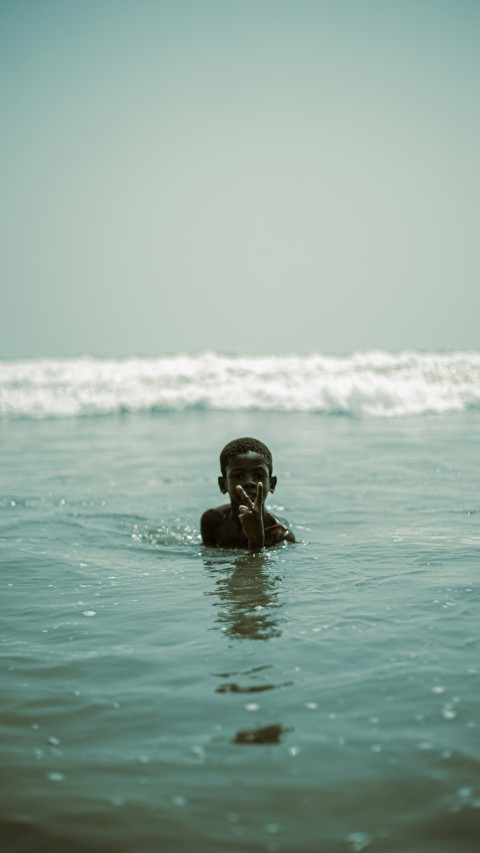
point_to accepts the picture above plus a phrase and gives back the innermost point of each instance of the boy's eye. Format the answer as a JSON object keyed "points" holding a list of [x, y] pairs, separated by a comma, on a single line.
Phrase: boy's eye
{"points": [[257, 475]]}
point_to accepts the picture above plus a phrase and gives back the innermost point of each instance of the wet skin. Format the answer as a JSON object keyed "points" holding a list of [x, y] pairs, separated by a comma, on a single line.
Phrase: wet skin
{"points": [[244, 522]]}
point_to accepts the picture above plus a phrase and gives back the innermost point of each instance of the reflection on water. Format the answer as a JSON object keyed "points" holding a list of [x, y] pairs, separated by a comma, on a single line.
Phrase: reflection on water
{"points": [[247, 595], [262, 734], [233, 687], [248, 603]]}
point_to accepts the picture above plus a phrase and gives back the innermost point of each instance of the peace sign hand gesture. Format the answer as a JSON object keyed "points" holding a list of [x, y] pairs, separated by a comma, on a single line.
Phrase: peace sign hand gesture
{"points": [[251, 517]]}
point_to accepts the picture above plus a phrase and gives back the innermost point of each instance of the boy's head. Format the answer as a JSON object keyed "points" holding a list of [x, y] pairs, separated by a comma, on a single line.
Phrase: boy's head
{"points": [[246, 462], [244, 445]]}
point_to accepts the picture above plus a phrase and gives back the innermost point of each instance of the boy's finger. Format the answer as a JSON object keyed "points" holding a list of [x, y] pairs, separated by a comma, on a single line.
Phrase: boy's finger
{"points": [[245, 497], [259, 498]]}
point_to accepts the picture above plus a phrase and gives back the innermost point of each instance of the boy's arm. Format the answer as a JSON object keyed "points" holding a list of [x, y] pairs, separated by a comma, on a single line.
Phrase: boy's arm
{"points": [[278, 533], [251, 517], [208, 527]]}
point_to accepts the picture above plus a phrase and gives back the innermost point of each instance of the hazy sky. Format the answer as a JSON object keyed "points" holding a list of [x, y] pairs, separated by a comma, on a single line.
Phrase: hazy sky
{"points": [[239, 176]]}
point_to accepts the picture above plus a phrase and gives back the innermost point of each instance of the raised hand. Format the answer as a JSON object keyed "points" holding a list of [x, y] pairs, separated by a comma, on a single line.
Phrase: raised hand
{"points": [[251, 517]]}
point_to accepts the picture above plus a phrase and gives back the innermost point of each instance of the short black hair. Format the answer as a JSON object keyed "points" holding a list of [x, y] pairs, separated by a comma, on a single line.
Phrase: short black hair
{"points": [[244, 445]]}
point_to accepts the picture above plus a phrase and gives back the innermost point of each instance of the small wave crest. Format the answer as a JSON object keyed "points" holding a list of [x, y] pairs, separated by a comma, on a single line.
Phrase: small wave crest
{"points": [[366, 383]]}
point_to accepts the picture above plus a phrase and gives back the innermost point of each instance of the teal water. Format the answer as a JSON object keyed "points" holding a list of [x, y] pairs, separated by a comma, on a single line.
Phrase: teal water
{"points": [[158, 695]]}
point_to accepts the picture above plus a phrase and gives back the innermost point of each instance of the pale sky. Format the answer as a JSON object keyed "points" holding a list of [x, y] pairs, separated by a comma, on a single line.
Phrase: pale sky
{"points": [[238, 176]]}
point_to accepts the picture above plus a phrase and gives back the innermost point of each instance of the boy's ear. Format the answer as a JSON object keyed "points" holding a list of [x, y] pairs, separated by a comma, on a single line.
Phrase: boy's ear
{"points": [[273, 483], [222, 485]]}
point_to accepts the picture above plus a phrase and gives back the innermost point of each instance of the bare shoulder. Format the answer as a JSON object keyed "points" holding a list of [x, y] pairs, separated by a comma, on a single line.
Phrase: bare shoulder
{"points": [[210, 523], [211, 518]]}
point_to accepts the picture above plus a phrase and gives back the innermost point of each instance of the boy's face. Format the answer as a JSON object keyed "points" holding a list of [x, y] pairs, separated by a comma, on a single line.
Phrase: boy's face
{"points": [[246, 470]]}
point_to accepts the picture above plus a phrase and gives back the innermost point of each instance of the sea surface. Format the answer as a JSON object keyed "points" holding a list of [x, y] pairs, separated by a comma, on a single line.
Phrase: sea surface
{"points": [[158, 695]]}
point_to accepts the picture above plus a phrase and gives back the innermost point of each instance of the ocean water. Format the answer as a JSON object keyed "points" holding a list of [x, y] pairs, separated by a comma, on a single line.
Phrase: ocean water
{"points": [[157, 695]]}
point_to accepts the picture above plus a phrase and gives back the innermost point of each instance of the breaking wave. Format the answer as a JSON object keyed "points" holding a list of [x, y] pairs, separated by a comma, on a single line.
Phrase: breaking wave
{"points": [[365, 383]]}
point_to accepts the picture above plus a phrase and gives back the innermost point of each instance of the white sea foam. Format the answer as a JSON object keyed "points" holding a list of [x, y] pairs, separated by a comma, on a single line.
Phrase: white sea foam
{"points": [[366, 383]]}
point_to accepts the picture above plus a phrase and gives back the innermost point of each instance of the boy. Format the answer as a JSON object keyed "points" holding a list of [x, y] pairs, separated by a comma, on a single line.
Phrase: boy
{"points": [[246, 466]]}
